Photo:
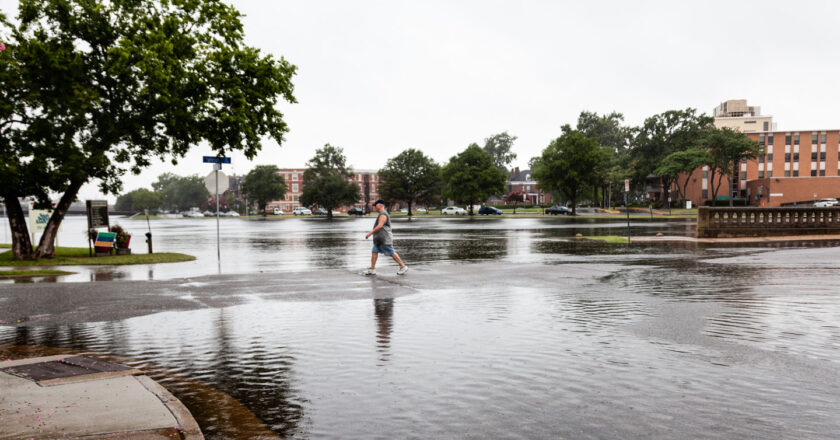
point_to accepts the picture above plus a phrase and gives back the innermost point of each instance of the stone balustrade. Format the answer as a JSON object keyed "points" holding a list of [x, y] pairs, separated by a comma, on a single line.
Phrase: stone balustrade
{"points": [[760, 222]]}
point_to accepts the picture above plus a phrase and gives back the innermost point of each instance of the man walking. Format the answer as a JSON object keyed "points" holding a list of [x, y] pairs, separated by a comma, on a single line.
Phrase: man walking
{"points": [[383, 240]]}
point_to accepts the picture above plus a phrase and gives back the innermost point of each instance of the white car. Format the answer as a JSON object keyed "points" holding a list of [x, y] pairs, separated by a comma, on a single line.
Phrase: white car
{"points": [[825, 203], [278, 211], [423, 210], [300, 210], [453, 210], [230, 214]]}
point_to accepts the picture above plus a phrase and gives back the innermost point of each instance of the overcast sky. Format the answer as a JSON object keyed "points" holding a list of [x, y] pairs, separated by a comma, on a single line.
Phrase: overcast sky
{"points": [[377, 77]]}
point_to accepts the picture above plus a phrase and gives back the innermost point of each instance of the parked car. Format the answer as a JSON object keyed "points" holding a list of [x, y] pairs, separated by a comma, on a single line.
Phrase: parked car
{"points": [[231, 214], [356, 211], [192, 214], [558, 209], [423, 210], [209, 213], [453, 210], [489, 210], [300, 210], [319, 211], [826, 203], [404, 210], [278, 211]]}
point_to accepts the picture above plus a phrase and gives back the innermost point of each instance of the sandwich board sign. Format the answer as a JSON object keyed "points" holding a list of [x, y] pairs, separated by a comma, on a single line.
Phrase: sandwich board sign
{"points": [[97, 213], [105, 239], [38, 219]]}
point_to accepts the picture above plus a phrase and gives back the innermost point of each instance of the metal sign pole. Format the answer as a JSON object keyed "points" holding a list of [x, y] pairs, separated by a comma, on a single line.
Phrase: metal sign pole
{"points": [[218, 248]]}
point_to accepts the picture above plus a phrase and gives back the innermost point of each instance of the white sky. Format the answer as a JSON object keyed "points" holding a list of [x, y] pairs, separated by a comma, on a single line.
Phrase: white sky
{"points": [[377, 77]]}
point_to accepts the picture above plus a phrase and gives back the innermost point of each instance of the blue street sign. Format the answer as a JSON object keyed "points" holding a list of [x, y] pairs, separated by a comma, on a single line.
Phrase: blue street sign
{"points": [[214, 159]]}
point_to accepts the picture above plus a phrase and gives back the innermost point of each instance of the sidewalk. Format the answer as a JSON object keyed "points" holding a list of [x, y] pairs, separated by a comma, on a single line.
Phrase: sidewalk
{"points": [[71, 396]]}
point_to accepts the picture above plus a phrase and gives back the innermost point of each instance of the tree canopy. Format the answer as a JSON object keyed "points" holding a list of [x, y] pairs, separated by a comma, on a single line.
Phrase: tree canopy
{"points": [[411, 177], [325, 182], [180, 193], [264, 184], [138, 200], [102, 88], [568, 163], [499, 147], [471, 177], [727, 148]]}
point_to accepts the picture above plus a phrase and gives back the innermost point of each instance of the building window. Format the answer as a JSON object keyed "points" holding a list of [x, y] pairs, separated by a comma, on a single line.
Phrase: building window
{"points": [[761, 174], [787, 173], [743, 175], [787, 138], [761, 139], [295, 198], [294, 176], [822, 156], [822, 173], [813, 156], [787, 157], [372, 188], [769, 173], [750, 122], [796, 139], [813, 138], [795, 173], [769, 157], [796, 157], [770, 139], [705, 194], [705, 174], [766, 125], [294, 187], [822, 138], [813, 173]]}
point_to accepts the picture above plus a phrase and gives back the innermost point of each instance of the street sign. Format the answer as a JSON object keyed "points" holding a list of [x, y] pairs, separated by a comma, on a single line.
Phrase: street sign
{"points": [[626, 185], [210, 182], [214, 159]]}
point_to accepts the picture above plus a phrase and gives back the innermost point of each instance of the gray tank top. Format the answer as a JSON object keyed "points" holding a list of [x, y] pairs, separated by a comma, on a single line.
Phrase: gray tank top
{"points": [[384, 235]]}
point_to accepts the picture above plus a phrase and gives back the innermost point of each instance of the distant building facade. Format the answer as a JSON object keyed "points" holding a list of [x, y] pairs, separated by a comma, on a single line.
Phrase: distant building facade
{"points": [[367, 180], [523, 182], [736, 114]]}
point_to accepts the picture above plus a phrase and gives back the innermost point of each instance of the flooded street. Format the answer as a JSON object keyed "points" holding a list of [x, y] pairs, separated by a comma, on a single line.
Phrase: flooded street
{"points": [[503, 328]]}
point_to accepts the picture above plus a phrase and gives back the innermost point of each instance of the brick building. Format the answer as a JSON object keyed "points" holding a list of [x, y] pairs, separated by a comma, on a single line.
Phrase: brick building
{"points": [[523, 182], [367, 180], [798, 166]]}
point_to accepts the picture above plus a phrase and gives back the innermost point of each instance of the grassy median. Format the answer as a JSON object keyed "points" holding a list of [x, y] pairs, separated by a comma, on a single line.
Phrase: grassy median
{"points": [[612, 239], [73, 256], [31, 273]]}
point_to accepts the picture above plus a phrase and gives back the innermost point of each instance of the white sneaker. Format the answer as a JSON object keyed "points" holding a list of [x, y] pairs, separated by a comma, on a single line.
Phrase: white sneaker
{"points": [[369, 272], [402, 270]]}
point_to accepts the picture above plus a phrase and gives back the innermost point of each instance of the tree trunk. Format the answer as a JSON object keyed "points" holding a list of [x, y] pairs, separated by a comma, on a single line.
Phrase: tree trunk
{"points": [[409, 210], [21, 244], [46, 248], [573, 196]]}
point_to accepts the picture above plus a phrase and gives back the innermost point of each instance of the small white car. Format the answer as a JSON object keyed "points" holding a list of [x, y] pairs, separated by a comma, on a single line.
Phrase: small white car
{"points": [[423, 210], [230, 214], [300, 210], [825, 203], [453, 210], [278, 211]]}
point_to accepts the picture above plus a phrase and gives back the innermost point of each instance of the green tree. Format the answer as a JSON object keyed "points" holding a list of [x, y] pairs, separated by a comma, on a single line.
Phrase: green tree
{"points": [[499, 146], [727, 148], [411, 177], [181, 193], [138, 200], [568, 164], [471, 177], [663, 134], [104, 87], [608, 130], [264, 184], [325, 182], [682, 163]]}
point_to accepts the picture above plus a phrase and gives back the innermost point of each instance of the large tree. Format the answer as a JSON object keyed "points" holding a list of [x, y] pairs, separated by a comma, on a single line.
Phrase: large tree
{"points": [[264, 184], [727, 148], [104, 87], [663, 134], [138, 200], [326, 181], [411, 177], [499, 146], [471, 177], [682, 163], [609, 131], [568, 164], [181, 193]]}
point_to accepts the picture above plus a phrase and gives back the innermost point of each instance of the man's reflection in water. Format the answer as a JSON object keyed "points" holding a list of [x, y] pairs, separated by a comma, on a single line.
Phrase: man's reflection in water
{"points": [[383, 309]]}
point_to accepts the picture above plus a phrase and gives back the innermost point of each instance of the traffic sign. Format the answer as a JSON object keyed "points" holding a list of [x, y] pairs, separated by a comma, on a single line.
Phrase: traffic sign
{"points": [[210, 182], [626, 185], [214, 159]]}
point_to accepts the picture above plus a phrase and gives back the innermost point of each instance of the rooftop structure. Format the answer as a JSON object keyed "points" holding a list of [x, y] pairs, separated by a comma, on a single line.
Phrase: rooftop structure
{"points": [[736, 114]]}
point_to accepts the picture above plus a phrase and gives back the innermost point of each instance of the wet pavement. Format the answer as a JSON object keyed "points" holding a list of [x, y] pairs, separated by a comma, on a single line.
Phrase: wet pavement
{"points": [[503, 328]]}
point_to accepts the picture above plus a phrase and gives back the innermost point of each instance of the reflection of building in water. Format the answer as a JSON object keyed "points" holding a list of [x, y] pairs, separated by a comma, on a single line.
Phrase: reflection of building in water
{"points": [[383, 309]]}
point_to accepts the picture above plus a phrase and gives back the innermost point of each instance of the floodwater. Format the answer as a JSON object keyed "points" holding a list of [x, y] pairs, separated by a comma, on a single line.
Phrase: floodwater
{"points": [[504, 328]]}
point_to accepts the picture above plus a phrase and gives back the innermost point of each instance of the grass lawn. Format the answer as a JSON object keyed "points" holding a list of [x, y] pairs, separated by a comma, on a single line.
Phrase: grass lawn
{"points": [[72, 256], [31, 273], [615, 239]]}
